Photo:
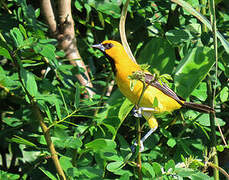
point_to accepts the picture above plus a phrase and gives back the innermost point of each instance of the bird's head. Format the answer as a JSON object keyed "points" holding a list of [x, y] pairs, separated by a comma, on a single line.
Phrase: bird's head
{"points": [[112, 49]]}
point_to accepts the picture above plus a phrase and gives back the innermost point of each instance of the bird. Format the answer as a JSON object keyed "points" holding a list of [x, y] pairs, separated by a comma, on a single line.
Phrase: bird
{"points": [[124, 67]]}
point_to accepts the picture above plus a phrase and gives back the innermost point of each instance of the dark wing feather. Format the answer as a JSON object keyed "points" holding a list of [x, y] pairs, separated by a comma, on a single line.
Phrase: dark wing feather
{"points": [[149, 79]]}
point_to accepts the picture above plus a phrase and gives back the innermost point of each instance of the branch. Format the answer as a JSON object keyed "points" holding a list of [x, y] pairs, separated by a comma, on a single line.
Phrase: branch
{"points": [[68, 42], [122, 31], [65, 34], [49, 142], [47, 10]]}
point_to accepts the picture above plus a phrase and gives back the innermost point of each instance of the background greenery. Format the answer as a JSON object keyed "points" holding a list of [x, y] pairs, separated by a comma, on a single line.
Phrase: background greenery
{"points": [[93, 135]]}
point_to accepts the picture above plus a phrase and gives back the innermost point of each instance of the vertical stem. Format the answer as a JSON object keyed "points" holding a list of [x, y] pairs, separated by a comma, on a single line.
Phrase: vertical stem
{"points": [[203, 11], [139, 153], [212, 93], [213, 131], [49, 142], [123, 32]]}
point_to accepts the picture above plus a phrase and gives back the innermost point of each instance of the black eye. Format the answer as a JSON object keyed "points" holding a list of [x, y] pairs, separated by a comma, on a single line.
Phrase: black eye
{"points": [[108, 45]]}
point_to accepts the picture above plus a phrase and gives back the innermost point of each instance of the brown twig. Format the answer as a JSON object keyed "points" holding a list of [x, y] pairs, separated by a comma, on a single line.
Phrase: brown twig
{"points": [[49, 142]]}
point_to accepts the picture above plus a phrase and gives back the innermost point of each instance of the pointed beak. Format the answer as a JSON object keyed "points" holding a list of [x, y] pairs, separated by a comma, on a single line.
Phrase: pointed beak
{"points": [[99, 46]]}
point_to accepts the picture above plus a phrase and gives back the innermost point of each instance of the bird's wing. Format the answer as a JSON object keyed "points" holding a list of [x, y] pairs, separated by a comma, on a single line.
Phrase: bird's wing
{"points": [[149, 79]]}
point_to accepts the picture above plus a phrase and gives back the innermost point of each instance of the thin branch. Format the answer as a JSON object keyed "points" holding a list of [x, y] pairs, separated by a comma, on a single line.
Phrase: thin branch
{"points": [[212, 116], [49, 142], [123, 32]]}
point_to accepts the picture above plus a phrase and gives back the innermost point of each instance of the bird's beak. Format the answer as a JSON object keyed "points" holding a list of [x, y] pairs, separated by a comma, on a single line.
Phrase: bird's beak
{"points": [[99, 46]]}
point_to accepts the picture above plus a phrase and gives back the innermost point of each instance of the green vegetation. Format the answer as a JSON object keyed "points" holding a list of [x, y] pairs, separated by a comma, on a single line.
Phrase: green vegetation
{"points": [[62, 119]]}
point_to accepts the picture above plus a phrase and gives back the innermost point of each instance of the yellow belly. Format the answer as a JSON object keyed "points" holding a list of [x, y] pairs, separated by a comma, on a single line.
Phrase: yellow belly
{"points": [[164, 102]]}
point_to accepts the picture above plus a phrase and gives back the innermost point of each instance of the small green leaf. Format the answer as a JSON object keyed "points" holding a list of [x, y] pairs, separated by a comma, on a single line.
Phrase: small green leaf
{"points": [[105, 145], [220, 148], [204, 120], [77, 96], [20, 140], [155, 102], [132, 84], [29, 81], [23, 31], [157, 168], [171, 142], [184, 172], [72, 142], [6, 175], [170, 165], [17, 37], [224, 94], [114, 166], [5, 53], [200, 176], [125, 109], [78, 6], [177, 36], [148, 170], [48, 173]]}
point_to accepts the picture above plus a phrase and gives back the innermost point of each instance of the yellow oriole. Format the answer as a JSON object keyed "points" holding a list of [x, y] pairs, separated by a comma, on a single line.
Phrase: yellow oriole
{"points": [[167, 100]]}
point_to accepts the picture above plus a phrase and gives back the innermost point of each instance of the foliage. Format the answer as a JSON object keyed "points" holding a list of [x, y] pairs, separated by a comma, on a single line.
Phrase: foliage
{"points": [[90, 135]]}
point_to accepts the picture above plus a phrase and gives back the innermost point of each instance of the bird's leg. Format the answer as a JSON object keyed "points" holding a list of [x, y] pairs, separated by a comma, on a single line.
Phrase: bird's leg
{"points": [[138, 112], [148, 114]]}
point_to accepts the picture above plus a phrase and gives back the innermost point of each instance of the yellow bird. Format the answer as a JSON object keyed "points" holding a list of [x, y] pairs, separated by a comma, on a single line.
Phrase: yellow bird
{"points": [[167, 101]]}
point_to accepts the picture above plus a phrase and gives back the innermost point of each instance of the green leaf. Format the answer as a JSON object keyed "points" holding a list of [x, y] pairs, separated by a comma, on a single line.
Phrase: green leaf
{"points": [[201, 91], [108, 7], [48, 173], [125, 109], [114, 166], [148, 170], [13, 122], [157, 168], [155, 102], [204, 20], [220, 148], [224, 94], [23, 31], [5, 53], [159, 54], [200, 176], [78, 6], [170, 165], [7, 175], [77, 96], [105, 145], [91, 172], [177, 36], [72, 142], [204, 120], [66, 163], [29, 82], [21, 140], [184, 172], [192, 69], [17, 37], [171, 142]]}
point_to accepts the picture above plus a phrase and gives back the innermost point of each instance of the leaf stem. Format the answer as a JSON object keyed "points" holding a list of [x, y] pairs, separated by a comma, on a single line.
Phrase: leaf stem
{"points": [[213, 93]]}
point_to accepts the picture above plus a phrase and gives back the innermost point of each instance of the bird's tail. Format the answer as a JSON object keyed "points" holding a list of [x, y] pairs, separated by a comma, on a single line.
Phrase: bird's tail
{"points": [[199, 107]]}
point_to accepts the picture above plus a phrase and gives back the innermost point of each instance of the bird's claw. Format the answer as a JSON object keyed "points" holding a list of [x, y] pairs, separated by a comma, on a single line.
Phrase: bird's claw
{"points": [[133, 147]]}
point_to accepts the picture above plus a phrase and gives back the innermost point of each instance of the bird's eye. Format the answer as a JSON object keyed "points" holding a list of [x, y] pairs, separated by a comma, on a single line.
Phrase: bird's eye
{"points": [[108, 45]]}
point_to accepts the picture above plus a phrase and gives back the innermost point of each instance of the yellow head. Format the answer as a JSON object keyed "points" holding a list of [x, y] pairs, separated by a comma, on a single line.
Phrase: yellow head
{"points": [[112, 49]]}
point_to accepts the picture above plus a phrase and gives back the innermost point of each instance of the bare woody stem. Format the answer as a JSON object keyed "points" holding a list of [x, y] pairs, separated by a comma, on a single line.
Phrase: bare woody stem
{"points": [[65, 34], [49, 142]]}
